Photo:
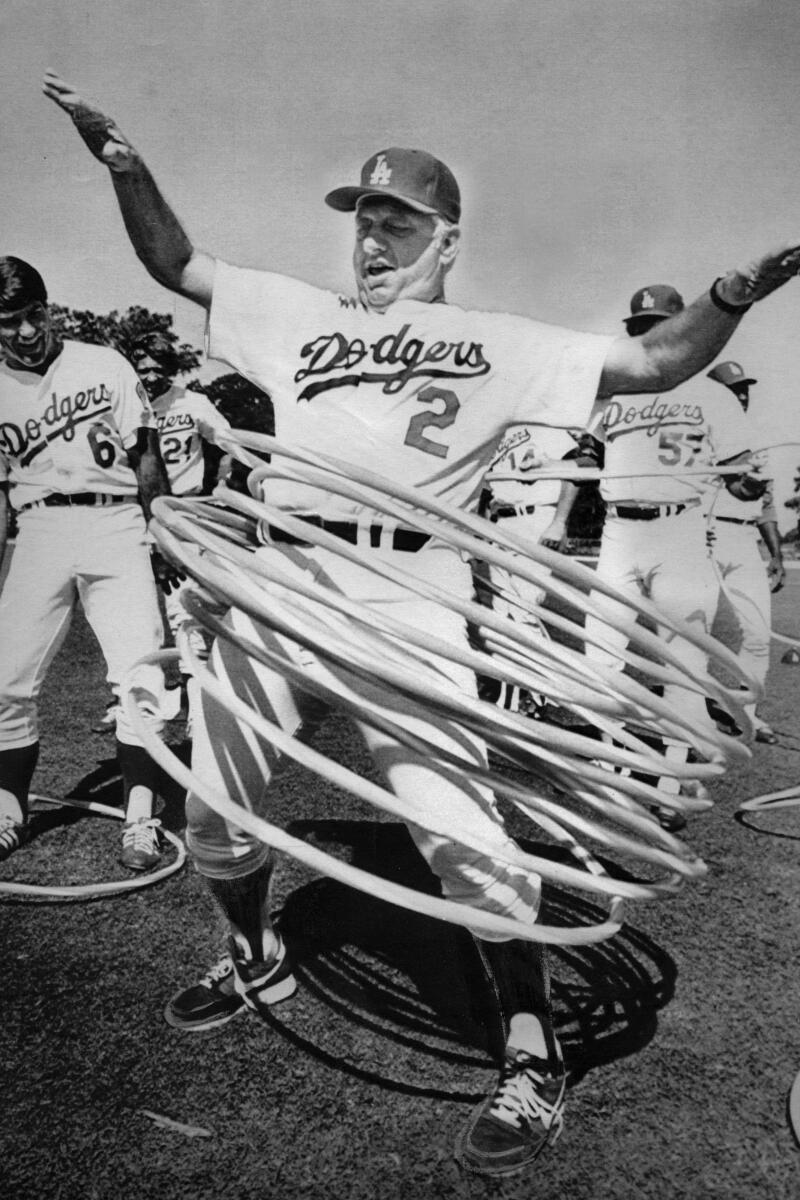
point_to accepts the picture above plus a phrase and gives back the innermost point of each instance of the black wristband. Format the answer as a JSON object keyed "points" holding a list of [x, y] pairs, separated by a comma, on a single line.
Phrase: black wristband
{"points": [[734, 310]]}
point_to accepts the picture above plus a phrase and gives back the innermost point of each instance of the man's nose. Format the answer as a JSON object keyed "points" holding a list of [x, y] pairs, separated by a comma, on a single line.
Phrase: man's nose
{"points": [[28, 328], [372, 243]]}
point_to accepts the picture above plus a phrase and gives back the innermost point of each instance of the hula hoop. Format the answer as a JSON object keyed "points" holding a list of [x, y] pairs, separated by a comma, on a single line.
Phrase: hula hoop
{"points": [[787, 798], [91, 891], [216, 549], [793, 1108]]}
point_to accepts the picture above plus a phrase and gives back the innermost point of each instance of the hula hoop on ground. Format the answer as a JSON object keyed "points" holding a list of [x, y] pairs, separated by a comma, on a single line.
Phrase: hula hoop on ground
{"points": [[793, 1108], [94, 890], [785, 798]]}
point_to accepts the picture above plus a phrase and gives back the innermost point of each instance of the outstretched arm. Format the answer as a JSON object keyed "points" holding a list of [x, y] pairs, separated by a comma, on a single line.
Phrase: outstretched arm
{"points": [[675, 349], [158, 237]]}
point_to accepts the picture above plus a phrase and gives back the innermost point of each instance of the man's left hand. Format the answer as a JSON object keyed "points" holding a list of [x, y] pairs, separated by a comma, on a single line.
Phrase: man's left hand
{"points": [[777, 574], [167, 575]]}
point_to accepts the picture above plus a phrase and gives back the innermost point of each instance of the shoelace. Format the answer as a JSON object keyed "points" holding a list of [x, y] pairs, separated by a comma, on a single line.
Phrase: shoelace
{"points": [[518, 1098], [9, 832], [218, 972], [142, 835]]}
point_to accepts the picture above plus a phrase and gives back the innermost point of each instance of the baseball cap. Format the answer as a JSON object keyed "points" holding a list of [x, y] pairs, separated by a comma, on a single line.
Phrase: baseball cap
{"points": [[729, 373], [411, 176], [657, 300]]}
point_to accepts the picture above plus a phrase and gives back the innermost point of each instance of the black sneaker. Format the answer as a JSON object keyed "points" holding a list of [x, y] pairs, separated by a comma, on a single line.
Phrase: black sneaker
{"points": [[210, 1002], [229, 987], [511, 1127]]}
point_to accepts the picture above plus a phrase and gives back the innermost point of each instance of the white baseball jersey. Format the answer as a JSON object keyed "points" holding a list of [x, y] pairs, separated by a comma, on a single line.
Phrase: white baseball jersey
{"points": [[420, 394], [69, 429], [178, 413], [523, 450], [652, 439], [719, 500]]}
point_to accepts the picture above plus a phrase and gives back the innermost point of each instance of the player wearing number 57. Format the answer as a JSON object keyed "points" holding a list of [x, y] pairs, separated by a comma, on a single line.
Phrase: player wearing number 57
{"points": [[79, 462]]}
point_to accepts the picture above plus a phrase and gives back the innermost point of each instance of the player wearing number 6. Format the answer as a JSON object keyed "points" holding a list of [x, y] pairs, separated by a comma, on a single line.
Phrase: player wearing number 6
{"points": [[78, 453], [400, 382]]}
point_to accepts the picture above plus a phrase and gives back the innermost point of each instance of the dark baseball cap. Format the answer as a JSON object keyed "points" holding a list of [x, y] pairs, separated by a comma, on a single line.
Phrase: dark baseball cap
{"points": [[731, 374], [410, 176], [658, 300]]}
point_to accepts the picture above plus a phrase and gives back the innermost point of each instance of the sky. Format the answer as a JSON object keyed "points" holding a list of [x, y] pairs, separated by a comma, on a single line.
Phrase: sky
{"points": [[600, 145]]}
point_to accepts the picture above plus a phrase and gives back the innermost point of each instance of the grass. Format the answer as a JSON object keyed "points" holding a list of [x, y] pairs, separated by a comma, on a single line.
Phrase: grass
{"points": [[681, 1033]]}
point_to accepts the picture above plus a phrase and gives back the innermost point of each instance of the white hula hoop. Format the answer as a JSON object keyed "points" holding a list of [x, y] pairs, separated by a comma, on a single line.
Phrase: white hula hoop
{"points": [[94, 890], [216, 549]]}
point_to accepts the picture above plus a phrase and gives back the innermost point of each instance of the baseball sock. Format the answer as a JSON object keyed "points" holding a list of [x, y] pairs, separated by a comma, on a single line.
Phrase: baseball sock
{"points": [[245, 903], [522, 979], [139, 780], [16, 772]]}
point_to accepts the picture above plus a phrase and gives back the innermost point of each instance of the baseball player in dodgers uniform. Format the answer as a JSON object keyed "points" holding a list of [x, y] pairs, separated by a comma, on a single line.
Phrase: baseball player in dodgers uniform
{"points": [[77, 449], [532, 508], [737, 527], [422, 392], [654, 534], [178, 413]]}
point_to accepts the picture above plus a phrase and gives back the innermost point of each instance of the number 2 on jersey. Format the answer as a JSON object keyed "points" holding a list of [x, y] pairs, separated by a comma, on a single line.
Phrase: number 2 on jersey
{"points": [[440, 420]]}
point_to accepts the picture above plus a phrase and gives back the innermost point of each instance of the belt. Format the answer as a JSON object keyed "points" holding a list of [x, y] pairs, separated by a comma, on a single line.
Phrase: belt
{"points": [[647, 512], [67, 499], [402, 539], [510, 510], [737, 520]]}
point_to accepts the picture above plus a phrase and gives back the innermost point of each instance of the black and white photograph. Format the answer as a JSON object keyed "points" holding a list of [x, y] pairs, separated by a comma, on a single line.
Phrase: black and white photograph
{"points": [[400, 600]]}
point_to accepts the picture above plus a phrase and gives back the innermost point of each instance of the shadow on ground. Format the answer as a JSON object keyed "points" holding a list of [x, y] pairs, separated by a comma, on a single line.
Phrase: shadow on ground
{"points": [[418, 983]]}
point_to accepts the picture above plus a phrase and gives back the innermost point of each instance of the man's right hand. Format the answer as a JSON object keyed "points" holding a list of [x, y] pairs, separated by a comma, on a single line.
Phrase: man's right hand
{"points": [[98, 131]]}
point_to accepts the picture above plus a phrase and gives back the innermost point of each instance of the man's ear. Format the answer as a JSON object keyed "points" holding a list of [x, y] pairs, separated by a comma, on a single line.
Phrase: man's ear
{"points": [[450, 245]]}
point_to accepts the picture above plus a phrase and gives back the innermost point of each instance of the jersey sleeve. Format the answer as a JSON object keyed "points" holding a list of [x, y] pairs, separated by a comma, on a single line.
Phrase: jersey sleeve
{"points": [[131, 407], [252, 319], [559, 372]]}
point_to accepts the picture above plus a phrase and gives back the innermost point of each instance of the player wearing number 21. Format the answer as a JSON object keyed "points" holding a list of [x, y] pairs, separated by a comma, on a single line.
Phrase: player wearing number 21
{"points": [[178, 413], [401, 382]]}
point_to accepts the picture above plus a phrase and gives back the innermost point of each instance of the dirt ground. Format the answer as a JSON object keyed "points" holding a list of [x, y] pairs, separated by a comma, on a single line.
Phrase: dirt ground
{"points": [[681, 1033]]}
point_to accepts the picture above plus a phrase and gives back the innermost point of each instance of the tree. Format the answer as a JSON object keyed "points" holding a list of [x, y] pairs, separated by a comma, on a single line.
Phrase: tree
{"points": [[240, 402], [128, 332]]}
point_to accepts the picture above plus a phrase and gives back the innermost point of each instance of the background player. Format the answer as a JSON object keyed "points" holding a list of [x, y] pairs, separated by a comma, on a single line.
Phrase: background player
{"points": [[193, 465], [78, 451], [654, 534], [735, 526], [421, 394], [533, 508]]}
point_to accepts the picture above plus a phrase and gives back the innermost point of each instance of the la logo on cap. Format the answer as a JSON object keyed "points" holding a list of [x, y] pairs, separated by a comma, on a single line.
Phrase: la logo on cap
{"points": [[381, 173], [647, 300]]}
